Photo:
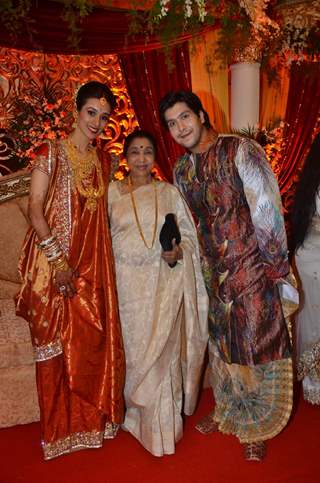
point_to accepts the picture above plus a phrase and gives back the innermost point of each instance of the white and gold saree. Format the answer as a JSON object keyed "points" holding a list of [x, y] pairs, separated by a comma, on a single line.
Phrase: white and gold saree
{"points": [[163, 315]]}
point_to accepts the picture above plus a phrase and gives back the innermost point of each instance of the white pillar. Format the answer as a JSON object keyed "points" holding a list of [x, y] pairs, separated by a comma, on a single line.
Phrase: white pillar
{"points": [[245, 92]]}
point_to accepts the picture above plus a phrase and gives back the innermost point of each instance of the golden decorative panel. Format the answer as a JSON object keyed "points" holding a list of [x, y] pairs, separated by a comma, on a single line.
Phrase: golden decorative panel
{"points": [[25, 75]]}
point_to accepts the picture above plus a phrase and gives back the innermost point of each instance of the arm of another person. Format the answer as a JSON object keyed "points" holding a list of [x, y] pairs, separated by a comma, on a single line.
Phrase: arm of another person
{"points": [[264, 200], [38, 192]]}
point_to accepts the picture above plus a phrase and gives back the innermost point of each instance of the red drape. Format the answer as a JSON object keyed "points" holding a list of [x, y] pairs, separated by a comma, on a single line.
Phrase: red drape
{"points": [[303, 107], [104, 31], [148, 80]]}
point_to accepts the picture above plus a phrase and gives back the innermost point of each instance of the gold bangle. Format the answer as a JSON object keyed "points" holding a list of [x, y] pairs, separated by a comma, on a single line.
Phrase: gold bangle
{"points": [[60, 265]]}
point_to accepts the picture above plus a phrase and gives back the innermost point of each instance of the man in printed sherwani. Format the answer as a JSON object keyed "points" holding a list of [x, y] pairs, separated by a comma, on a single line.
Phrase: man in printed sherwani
{"points": [[234, 197]]}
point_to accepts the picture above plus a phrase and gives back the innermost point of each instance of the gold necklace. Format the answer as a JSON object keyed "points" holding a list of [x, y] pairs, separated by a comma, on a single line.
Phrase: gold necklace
{"points": [[82, 169], [136, 213]]}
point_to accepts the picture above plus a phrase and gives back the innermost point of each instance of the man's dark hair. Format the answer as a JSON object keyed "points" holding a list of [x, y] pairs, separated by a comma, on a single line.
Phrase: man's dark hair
{"points": [[138, 133], [192, 101], [96, 90]]}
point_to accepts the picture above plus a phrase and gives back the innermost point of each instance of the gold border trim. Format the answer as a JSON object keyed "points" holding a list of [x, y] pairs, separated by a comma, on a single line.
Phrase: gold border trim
{"points": [[14, 186], [48, 351], [74, 442]]}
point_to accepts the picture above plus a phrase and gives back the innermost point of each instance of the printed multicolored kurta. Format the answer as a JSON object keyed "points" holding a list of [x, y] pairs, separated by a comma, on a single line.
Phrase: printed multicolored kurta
{"points": [[77, 341], [235, 199]]}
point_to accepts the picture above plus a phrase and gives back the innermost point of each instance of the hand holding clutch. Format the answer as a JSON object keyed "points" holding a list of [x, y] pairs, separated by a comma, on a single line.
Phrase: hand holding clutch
{"points": [[168, 233]]}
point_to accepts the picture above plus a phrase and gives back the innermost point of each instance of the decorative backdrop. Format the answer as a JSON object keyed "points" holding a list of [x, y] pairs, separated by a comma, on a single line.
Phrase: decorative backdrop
{"points": [[36, 80]]}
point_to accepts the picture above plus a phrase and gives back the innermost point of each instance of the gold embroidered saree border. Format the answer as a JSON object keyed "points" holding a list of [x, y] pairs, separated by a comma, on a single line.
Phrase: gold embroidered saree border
{"points": [[309, 362], [78, 441], [73, 442], [48, 351], [312, 395]]}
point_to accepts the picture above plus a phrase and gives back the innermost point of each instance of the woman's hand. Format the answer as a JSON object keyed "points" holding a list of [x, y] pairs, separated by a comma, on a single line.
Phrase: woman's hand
{"points": [[64, 282], [173, 255]]}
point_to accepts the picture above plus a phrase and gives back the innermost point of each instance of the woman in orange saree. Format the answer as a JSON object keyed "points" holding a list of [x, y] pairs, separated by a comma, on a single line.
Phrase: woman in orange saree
{"points": [[68, 292]]}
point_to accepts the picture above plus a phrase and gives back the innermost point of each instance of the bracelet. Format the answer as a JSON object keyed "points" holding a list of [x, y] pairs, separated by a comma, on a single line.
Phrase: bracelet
{"points": [[52, 250], [60, 265], [54, 254], [45, 243]]}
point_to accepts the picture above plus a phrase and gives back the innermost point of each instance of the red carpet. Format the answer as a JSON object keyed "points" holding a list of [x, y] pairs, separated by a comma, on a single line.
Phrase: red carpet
{"points": [[293, 457]]}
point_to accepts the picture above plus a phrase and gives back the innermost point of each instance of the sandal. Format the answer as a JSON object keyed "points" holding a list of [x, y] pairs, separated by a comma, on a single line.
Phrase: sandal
{"points": [[255, 451], [207, 424]]}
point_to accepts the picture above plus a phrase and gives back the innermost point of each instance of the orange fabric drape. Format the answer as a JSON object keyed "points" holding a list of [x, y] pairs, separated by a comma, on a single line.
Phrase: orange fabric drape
{"points": [[210, 79], [274, 97], [78, 342]]}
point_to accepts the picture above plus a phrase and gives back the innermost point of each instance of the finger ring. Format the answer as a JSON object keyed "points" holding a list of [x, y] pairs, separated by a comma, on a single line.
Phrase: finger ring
{"points": [[62, 288]]}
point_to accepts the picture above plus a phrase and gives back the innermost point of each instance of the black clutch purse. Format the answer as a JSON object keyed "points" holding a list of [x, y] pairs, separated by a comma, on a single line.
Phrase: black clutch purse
{"points": [[168, 232]]}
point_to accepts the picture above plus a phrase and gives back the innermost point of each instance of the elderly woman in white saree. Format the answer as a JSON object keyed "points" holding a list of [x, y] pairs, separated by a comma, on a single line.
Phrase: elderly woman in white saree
{"points": [[163, 310]]}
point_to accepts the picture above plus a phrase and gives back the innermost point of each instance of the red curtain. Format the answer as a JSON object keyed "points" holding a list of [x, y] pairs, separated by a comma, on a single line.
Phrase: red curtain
{"points": [[104, 31], [303, 107], [148, 80]]}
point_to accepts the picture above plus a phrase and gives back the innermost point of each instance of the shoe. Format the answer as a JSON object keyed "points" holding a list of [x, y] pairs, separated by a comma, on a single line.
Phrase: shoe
{"points": [[255, 451], [207, 424]]}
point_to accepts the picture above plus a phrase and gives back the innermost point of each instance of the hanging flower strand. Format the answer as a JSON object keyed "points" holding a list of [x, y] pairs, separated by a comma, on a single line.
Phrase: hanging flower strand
{"points": [[202, 12], [188, 9], [256, 11], [164, 9]]}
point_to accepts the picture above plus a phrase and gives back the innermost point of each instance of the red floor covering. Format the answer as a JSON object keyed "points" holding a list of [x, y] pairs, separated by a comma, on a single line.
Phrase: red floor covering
{"points": [[293, 456]]}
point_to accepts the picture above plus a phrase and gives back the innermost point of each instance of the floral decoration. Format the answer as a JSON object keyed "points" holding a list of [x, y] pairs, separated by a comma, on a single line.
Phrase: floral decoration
{"points": [[16, 16], [190, 8], [271, 138], [258, 30], [35, 120]]}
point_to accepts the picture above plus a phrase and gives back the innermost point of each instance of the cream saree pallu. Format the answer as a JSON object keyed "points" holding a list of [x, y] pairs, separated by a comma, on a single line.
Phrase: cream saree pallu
{"points": [[308, 320], [163, 314]]}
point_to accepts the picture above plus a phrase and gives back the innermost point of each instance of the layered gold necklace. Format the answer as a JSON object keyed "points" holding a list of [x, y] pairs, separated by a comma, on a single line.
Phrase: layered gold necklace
{"points": [[82, 166], [136, 213]]}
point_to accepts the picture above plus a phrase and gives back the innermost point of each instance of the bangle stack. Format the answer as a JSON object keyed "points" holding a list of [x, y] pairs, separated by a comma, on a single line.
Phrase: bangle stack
{"points": [[52, 250]]}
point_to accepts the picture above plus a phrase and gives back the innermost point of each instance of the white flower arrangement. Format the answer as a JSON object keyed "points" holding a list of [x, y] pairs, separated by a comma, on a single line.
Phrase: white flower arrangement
{"points": [[189, 8]]}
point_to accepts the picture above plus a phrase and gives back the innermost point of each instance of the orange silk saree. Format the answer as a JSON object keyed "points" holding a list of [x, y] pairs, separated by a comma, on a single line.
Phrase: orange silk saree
{"points": [[77, 341]]}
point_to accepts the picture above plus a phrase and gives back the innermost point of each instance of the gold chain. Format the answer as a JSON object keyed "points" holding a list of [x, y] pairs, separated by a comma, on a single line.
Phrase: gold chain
{"points": [[82, 169], [136, 213]]}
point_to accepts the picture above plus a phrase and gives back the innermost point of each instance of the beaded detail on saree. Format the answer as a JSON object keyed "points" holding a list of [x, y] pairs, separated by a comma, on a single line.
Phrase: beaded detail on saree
{"points": [[74, 442], [62, 203], [48, 351], [309, 363], [110, 430], [311, 395]]}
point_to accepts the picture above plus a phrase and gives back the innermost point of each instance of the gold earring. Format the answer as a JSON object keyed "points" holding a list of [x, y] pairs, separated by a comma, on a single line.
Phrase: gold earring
{"points": [[75, 119]]}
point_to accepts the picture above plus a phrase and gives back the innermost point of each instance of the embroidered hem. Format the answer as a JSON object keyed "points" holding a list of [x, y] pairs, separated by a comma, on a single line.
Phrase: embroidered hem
{"points": [[74, 442], [110, 430], [309, 363], [48, 351], [311, 395]]}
